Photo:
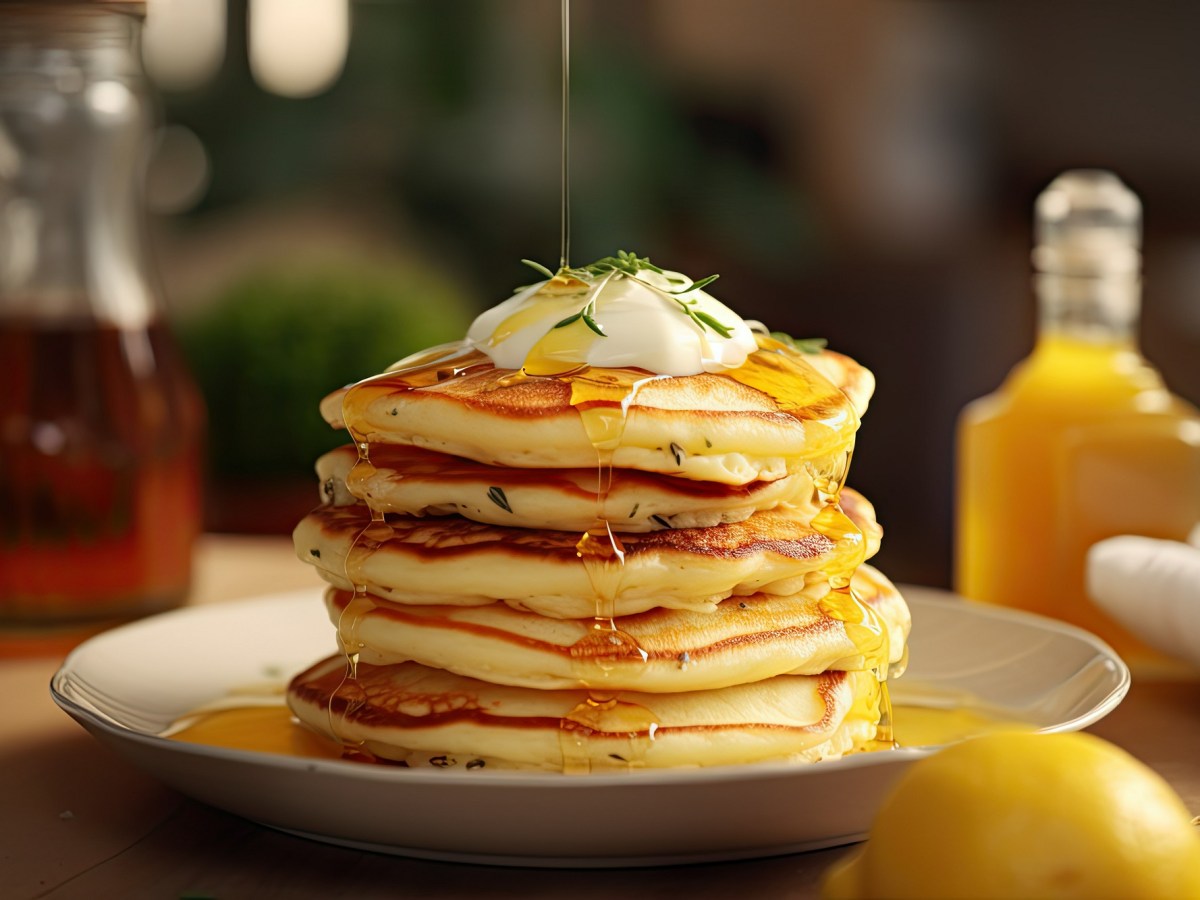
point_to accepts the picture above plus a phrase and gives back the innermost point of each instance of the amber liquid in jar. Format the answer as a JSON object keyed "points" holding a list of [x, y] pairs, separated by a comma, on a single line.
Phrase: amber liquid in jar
{"points": [[100, 455]]}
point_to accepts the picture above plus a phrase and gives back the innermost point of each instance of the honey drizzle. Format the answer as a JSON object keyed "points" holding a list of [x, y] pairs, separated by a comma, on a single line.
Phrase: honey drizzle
{"points": [[784, 375], [864, 627], [565, 143], [795, 386], [603, 400], [365, 543]]}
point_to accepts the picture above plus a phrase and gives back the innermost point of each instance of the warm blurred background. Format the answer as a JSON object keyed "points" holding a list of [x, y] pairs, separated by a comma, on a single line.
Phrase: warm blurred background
{"points": [[860, 171]]}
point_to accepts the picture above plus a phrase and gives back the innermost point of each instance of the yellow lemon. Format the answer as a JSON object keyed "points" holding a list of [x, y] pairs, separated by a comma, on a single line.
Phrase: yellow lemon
{"points": [[1026, 815]]}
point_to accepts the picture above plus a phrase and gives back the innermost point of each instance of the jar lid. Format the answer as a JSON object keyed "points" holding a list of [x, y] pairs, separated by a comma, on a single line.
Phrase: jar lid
{"points": [[1088, 223]]}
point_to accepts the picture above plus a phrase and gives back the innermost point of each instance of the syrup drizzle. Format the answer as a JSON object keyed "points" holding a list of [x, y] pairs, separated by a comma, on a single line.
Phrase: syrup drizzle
{"points": [[565, 174], [863, 624], [603, 402]]}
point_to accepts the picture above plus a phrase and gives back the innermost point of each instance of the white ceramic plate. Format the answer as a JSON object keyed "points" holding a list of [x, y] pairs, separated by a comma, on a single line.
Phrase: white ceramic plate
{"points": [[127, 685]]}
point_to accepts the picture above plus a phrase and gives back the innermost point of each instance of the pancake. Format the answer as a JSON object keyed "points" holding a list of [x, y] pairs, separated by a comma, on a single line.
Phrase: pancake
{"points": [[742, 640], [451, 560], [419, 715], [418, 482], [541, 554], [728, 428]]}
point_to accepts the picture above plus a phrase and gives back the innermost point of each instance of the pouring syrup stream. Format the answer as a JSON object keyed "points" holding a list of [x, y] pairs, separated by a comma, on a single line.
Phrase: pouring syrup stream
{"points": [[565, 175]]}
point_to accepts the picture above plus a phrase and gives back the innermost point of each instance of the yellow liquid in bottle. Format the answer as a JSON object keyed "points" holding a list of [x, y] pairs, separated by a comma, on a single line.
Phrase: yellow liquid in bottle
{"points": [[1081, 443]]}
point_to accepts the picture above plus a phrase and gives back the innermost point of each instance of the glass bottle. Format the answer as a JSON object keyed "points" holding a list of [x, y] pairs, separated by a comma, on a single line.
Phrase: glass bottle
{"points": [[100, 422], [1083, 440]]}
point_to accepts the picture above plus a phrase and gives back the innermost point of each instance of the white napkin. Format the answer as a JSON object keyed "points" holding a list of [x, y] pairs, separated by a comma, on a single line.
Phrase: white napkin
{"points": [[1152, 587]]}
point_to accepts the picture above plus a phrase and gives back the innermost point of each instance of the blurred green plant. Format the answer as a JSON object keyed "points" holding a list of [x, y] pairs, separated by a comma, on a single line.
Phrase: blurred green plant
{"points": [[267, 349]]}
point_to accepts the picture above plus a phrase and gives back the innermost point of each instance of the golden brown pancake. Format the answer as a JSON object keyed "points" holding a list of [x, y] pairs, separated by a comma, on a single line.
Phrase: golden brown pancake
{"points": [[451, 560], [756, 423], [416, 482], [419, 715], [662, 650]]}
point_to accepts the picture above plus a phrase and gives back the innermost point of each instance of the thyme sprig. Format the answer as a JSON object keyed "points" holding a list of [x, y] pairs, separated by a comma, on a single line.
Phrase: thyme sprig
{"points": [[588, 315], [700, 317], [537, 267], [630, 265]]}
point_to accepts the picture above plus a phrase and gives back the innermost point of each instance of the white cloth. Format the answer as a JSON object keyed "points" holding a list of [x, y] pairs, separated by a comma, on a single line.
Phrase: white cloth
{"points": [[1152, 587]]}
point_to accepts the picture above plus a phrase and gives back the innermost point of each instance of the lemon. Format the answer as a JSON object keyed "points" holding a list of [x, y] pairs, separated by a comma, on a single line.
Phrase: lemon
{"points": [[1026, 815]]}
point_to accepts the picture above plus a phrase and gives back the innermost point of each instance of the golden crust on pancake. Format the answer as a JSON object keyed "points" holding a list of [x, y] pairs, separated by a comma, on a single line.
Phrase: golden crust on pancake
{"points": [[412, 713], [707, 427], [416, 482], [662, 650], [451, 560]]}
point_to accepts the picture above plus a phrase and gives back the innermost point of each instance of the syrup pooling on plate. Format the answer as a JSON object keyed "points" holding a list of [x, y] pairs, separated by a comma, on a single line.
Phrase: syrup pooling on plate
{"points": [[273, 729]]}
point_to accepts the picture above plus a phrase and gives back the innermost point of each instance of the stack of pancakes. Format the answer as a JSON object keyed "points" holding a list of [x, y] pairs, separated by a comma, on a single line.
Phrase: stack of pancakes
{"points": [[600, 569]]}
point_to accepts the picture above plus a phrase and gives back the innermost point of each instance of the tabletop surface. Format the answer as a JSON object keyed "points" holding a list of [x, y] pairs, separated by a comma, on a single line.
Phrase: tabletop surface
{"points": [[77, 821]]}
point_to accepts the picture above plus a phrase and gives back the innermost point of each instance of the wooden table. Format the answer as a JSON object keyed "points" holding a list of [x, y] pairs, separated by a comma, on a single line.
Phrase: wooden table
{"points": [[76, 821]]}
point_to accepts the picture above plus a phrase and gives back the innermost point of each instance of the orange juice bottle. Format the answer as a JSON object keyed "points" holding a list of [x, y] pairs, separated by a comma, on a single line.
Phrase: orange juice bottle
{"points": [[1082, 441]]}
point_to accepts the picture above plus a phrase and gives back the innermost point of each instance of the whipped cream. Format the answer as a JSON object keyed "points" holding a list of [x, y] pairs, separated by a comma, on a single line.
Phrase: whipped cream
{"points": [[644, 326]]}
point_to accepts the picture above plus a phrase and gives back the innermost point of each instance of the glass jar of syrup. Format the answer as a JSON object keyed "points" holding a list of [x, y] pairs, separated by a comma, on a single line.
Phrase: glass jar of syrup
{"points": [[100, 423]]}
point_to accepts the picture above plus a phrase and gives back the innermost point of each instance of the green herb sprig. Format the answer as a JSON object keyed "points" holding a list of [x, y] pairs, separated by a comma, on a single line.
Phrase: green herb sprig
{"points": [[587, 314], [630, 265]]}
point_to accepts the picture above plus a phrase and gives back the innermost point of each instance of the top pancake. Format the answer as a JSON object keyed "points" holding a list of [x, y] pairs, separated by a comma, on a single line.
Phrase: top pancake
{"points": [[755, 423]]}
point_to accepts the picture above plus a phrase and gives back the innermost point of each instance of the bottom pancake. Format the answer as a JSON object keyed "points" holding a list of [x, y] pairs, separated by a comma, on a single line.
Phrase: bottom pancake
{"points": [[411, 713]]}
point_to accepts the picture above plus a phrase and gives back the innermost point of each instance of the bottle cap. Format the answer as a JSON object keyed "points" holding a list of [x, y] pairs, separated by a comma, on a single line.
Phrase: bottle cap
{"points": [[1088, 223]]}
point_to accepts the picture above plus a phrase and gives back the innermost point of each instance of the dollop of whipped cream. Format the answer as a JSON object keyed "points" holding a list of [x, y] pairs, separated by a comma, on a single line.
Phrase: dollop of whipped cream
{"points": [[652, 320]]}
